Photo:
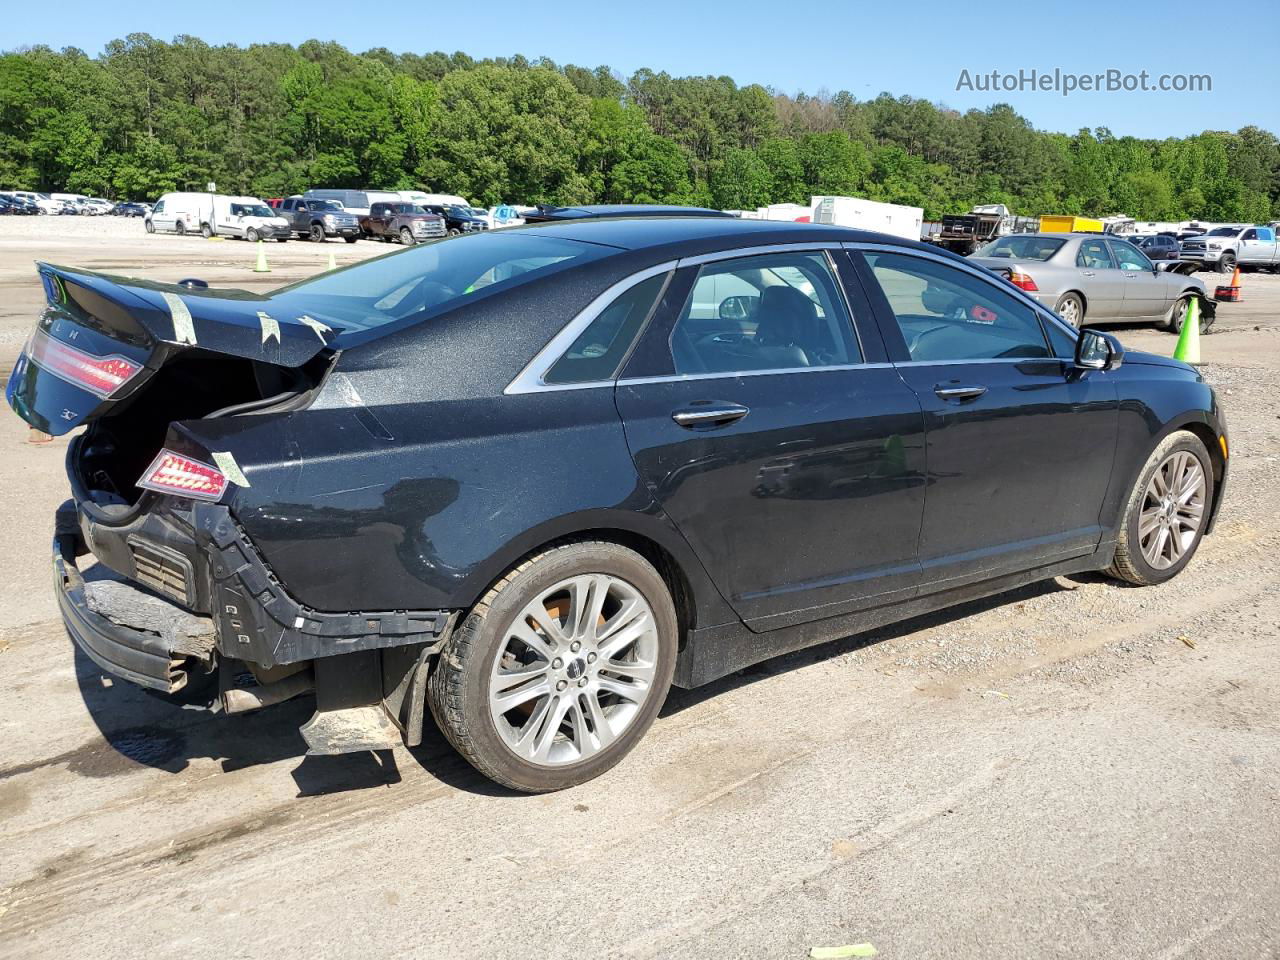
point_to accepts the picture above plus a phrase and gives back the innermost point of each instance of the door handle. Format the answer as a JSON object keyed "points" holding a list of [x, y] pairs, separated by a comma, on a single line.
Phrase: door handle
{"points": [[1087, 273], [959, 394], [714, 415]]}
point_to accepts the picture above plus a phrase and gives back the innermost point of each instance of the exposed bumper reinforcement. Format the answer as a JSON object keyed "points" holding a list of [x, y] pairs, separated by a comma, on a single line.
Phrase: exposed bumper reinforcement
{"points": [[136, 655]]}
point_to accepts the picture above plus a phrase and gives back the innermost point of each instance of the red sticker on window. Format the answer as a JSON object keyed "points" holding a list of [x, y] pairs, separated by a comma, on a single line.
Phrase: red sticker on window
{"points": [[981, 315]]}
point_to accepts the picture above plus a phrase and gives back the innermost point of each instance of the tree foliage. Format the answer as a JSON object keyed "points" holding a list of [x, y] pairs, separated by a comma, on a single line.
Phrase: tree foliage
{"points": [[146, 116]]}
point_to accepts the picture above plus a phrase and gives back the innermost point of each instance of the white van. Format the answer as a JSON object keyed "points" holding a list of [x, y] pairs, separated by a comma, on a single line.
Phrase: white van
{"points": [[246, 218], [180, 213]]}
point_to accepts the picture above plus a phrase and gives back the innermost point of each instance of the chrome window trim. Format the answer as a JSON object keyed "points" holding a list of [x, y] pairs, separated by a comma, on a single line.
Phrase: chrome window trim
{"points": [[530, 379], [982, 273], [813, 246], [738, 374]]}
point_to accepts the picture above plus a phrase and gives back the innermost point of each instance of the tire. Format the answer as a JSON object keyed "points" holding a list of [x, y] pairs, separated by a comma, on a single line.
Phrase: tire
{"points": [[251, 235], [454, 231], [351, 239], [316, 233], [1226, 263], [1178, 313], [460, 688], [180, 228], [1070, 302], [1133, 561], [206, 231], [406, 236], [149, 226]]}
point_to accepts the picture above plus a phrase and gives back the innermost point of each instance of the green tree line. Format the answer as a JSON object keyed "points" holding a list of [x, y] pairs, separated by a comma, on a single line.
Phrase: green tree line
{"points": [[148, 116]]}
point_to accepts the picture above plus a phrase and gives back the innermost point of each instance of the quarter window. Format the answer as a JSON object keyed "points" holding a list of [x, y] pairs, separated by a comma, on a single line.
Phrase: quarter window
{"points": [[950, 314], [778, 311], [600, 349]]}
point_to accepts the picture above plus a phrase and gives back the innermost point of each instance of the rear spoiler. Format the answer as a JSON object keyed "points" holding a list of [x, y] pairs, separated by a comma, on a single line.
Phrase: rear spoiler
{"points": [[234, 322]]}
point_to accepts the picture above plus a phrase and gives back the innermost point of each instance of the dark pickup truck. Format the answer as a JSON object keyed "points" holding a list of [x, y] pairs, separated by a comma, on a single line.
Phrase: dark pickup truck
{"points": [[320, 219], [406, 222]]}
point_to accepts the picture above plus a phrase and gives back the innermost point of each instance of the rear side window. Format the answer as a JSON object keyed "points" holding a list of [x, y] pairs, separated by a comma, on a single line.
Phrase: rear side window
{"points": [[779, 311], [949, 314], [1021, 248], [599, 351]]}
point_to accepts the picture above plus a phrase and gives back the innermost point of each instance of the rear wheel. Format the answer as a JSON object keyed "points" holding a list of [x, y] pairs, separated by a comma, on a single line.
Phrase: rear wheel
{"points": [[1167, 511], [206, 231], [1071, 309], [351, 239], [560, 669], [317, 233], [406, 236]]}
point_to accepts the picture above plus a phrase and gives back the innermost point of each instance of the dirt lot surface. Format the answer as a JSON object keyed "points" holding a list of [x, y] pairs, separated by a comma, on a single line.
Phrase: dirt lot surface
{"points": [[1074, 769]]}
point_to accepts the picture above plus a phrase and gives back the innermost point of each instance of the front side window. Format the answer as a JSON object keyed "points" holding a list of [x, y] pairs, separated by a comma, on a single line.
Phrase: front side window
{"points": [[778, 311], [600, 349], [1094, 255], [1130, 257], [950, 314]]}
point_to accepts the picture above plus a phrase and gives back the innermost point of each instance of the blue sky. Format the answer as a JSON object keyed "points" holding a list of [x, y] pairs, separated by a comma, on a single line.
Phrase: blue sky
{"points": [[918, 49]]}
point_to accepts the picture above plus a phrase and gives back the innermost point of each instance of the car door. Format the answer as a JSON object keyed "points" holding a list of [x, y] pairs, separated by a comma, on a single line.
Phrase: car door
{"points": [[161, 218], [770, 429], [1020, 442], [1148, 294], [1256, 246], [231, 220], [1100, 281]]}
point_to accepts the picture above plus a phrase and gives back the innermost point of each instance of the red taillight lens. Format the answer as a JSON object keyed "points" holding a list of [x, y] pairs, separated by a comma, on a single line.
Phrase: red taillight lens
{"points": [[101, 376], [1022, 281], [173, 473]]}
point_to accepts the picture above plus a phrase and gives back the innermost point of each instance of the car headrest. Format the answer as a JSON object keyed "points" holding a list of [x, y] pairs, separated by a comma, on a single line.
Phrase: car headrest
{"points": [[786, 316]]}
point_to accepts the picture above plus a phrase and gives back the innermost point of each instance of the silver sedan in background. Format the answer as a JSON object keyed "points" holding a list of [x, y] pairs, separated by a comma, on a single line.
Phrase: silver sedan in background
{"points": [[1095, 277]]}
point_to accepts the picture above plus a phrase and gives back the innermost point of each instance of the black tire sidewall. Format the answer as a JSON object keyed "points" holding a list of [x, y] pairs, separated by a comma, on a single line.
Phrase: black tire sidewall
{"points": [[488, 635], [1191, 444]]}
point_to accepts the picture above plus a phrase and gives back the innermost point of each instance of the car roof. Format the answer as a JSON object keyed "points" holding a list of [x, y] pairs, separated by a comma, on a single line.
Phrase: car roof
{"points": [[628, 210], [706, 233]]}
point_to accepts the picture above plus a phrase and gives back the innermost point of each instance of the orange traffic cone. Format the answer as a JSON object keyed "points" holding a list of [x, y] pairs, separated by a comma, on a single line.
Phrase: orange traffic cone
{"points": [[1231, 293]]}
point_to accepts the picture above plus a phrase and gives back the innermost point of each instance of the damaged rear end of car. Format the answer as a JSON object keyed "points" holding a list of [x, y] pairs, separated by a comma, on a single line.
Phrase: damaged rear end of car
{"points": [[186, 397]]}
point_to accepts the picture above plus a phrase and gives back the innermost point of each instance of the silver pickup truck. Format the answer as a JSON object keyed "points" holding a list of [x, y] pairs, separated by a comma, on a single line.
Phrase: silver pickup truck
{"points": [[1225, 248]]}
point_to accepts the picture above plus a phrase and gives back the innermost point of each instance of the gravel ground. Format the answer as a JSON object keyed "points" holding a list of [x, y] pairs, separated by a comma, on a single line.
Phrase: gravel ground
{"points": [[1071, 769]]}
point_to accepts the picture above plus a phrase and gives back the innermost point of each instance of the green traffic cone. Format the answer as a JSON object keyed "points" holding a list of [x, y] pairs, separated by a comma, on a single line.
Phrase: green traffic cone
{"points": [[1188, 348], [262, 260]]}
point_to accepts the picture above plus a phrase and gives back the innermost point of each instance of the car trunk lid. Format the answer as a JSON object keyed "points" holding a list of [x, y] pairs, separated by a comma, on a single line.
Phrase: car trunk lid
{"points": [[101, 339]]}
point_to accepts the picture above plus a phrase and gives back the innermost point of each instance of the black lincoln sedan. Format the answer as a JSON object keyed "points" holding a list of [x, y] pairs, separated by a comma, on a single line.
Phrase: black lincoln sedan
{"points": [[527, 480]]}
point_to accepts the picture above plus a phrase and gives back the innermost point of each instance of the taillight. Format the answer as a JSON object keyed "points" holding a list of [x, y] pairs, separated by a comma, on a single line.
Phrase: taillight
{"points": [[1022, 281], [101, 376], [173, 473]]}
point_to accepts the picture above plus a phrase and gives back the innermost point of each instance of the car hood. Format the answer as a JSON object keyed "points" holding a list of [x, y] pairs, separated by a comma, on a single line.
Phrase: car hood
{"points": [[1156, 360]]}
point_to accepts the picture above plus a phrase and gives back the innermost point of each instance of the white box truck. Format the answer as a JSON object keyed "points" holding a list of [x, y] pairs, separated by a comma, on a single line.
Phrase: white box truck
{"points": [[891, 218]]}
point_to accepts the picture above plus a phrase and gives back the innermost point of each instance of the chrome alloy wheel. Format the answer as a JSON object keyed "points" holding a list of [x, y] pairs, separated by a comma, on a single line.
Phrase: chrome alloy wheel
{"points": [[576, 667], [1172, 510]]}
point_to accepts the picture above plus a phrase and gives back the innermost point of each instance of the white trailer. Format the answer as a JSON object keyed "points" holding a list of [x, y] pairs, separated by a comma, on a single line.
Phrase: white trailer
{"points": [[890, 218]]}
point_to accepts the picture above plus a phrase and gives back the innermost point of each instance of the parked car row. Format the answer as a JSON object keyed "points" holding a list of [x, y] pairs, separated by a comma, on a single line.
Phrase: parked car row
{"points": [[29, 202]]}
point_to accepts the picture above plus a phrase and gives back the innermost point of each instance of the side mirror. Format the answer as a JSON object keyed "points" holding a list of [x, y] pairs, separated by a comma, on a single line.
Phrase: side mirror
{"points": [[739, 308], [1096, 350]]}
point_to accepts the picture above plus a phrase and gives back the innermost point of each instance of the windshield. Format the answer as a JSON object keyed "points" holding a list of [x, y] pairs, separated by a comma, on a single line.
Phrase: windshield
{"points": [[331, 205], [251, 210], [431, 278], [455, 211], [1021, 248], [1223, 232]]}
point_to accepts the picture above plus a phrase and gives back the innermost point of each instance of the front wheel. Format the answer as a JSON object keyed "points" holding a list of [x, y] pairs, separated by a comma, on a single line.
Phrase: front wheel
{"points": [[251, 235], [1226, 263], [180, 228], [317, 233], [1071, 309], [1166, 514], [560, 669], [149, 226], [406, 237], [351, 239]]}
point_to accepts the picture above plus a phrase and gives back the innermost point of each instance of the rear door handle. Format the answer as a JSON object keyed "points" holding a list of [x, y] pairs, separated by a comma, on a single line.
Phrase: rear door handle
{"points": [[1087, 273], [959, 394], [711, 415]]}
